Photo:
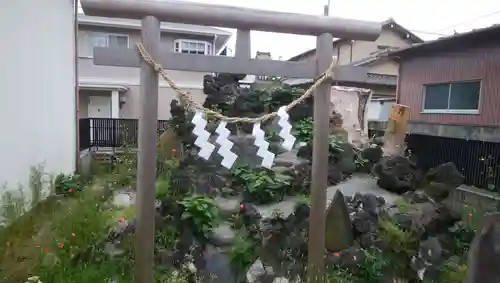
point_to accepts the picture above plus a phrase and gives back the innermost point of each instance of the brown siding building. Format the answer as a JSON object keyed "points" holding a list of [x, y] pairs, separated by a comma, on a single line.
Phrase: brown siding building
{"points": [[452, 85]]}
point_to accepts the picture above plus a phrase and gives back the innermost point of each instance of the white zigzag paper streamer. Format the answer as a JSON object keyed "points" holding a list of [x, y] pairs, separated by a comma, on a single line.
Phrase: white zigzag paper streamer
{"points": [[225, 145], [206, 148], [286, 128], [263, 145]]}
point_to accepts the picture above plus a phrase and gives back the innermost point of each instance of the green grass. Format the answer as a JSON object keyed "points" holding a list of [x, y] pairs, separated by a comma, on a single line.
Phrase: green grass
{"points": [[47, 240]]}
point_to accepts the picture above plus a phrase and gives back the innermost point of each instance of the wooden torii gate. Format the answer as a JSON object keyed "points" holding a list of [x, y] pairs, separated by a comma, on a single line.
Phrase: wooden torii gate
{"points": [[244, 20]]}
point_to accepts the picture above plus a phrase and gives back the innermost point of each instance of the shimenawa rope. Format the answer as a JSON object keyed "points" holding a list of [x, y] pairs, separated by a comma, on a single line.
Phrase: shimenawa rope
{"points": [[188, 101]]}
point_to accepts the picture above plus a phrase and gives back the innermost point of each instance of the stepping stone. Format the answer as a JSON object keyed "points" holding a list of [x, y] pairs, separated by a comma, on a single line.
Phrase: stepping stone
{"points": [[217, 268], [227, 206], [285, 207], [223, 235], [288, 159], [363, 184]]}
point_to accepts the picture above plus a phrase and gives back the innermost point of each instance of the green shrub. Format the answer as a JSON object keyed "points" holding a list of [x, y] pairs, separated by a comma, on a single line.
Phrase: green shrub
{"points": [[303, 130], [201, 213], [262, 186], [242, 254]]}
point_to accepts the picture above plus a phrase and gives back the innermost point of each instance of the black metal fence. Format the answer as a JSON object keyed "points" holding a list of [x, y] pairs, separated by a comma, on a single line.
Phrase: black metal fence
{"points": [[108, 132], [478, 161]]}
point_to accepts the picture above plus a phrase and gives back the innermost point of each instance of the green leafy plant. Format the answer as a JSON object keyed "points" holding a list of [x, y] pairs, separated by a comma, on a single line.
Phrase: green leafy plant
{"points": [[339, 275], [334, 146], [451, 272], [359, 161], [66, 184], [242, 254], [303, 130], [202, 213], [402, 245], [263, 186], [462, 234], [373, 267]]}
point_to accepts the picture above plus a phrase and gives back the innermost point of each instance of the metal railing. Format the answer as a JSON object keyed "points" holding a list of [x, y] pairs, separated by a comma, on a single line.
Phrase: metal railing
{"points": [[109, 132], [478, 161]]}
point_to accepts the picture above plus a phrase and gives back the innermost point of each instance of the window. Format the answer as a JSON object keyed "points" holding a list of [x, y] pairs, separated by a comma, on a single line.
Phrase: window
{"points": [[193, 47], [97, 39], [456, 97]]}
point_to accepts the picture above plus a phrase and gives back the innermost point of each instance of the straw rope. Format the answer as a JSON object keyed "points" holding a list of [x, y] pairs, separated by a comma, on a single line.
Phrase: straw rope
{"points": [[189, 102]]}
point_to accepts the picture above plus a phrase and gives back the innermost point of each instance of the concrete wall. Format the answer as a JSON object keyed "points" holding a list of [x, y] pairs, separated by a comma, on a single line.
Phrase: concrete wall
{"points": [[37, 114], [129, 77]]}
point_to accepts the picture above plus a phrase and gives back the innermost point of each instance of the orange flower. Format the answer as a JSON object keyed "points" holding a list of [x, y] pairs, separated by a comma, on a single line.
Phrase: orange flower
{"points": [[60, 245]]}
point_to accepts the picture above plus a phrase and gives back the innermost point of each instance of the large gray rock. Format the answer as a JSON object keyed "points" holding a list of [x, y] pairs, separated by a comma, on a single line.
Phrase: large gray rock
{"points": [[223, 235], [441, 180], [227, 206], [338, 228], [217, 268], [484, 255], [396, 174]]}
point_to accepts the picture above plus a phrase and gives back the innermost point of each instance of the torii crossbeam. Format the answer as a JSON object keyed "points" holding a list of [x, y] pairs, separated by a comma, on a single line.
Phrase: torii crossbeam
{"points": [[244, 20]]}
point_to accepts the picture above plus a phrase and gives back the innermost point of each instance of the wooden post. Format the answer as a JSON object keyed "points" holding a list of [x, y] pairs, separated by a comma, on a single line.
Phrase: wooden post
{"points": [[397, 127], [316, 259], [146, 171]]}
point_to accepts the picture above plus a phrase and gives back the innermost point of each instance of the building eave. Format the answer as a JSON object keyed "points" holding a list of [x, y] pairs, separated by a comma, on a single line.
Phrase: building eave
{"points": [[101, 86]]}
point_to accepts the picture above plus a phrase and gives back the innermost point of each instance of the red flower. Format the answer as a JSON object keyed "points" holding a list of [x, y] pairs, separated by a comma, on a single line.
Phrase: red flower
{"points": [[336, 254], [122, 220], [242, 206], [470, 214], [60, 245], [70, 190]]}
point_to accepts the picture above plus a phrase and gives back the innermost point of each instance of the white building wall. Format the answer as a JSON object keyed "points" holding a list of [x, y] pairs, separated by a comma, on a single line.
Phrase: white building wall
{"points": [[37, 113]]}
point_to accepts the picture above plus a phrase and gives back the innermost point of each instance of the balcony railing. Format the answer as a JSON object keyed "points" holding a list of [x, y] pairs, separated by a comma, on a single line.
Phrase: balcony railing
{"points": [[108, 132]]}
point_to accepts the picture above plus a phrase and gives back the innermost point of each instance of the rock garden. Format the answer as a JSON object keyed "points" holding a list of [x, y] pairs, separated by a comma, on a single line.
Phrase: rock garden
{"points": [[246, 224]]}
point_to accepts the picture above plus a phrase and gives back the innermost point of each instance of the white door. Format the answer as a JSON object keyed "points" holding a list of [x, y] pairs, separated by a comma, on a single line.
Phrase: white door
{"points": [[101, 129], [99, 106]]}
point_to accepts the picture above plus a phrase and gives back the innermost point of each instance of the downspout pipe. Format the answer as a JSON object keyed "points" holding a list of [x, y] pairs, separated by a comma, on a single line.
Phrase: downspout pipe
{"points": [[77, 89]]}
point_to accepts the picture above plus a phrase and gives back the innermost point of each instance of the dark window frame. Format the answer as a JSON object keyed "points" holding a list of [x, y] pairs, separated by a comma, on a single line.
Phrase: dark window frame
{"points": [[448, 109]]}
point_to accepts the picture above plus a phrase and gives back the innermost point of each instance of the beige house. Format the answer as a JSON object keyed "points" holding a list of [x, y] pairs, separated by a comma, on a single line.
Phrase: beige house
{"points": [[113, 92], [382, 72]]}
